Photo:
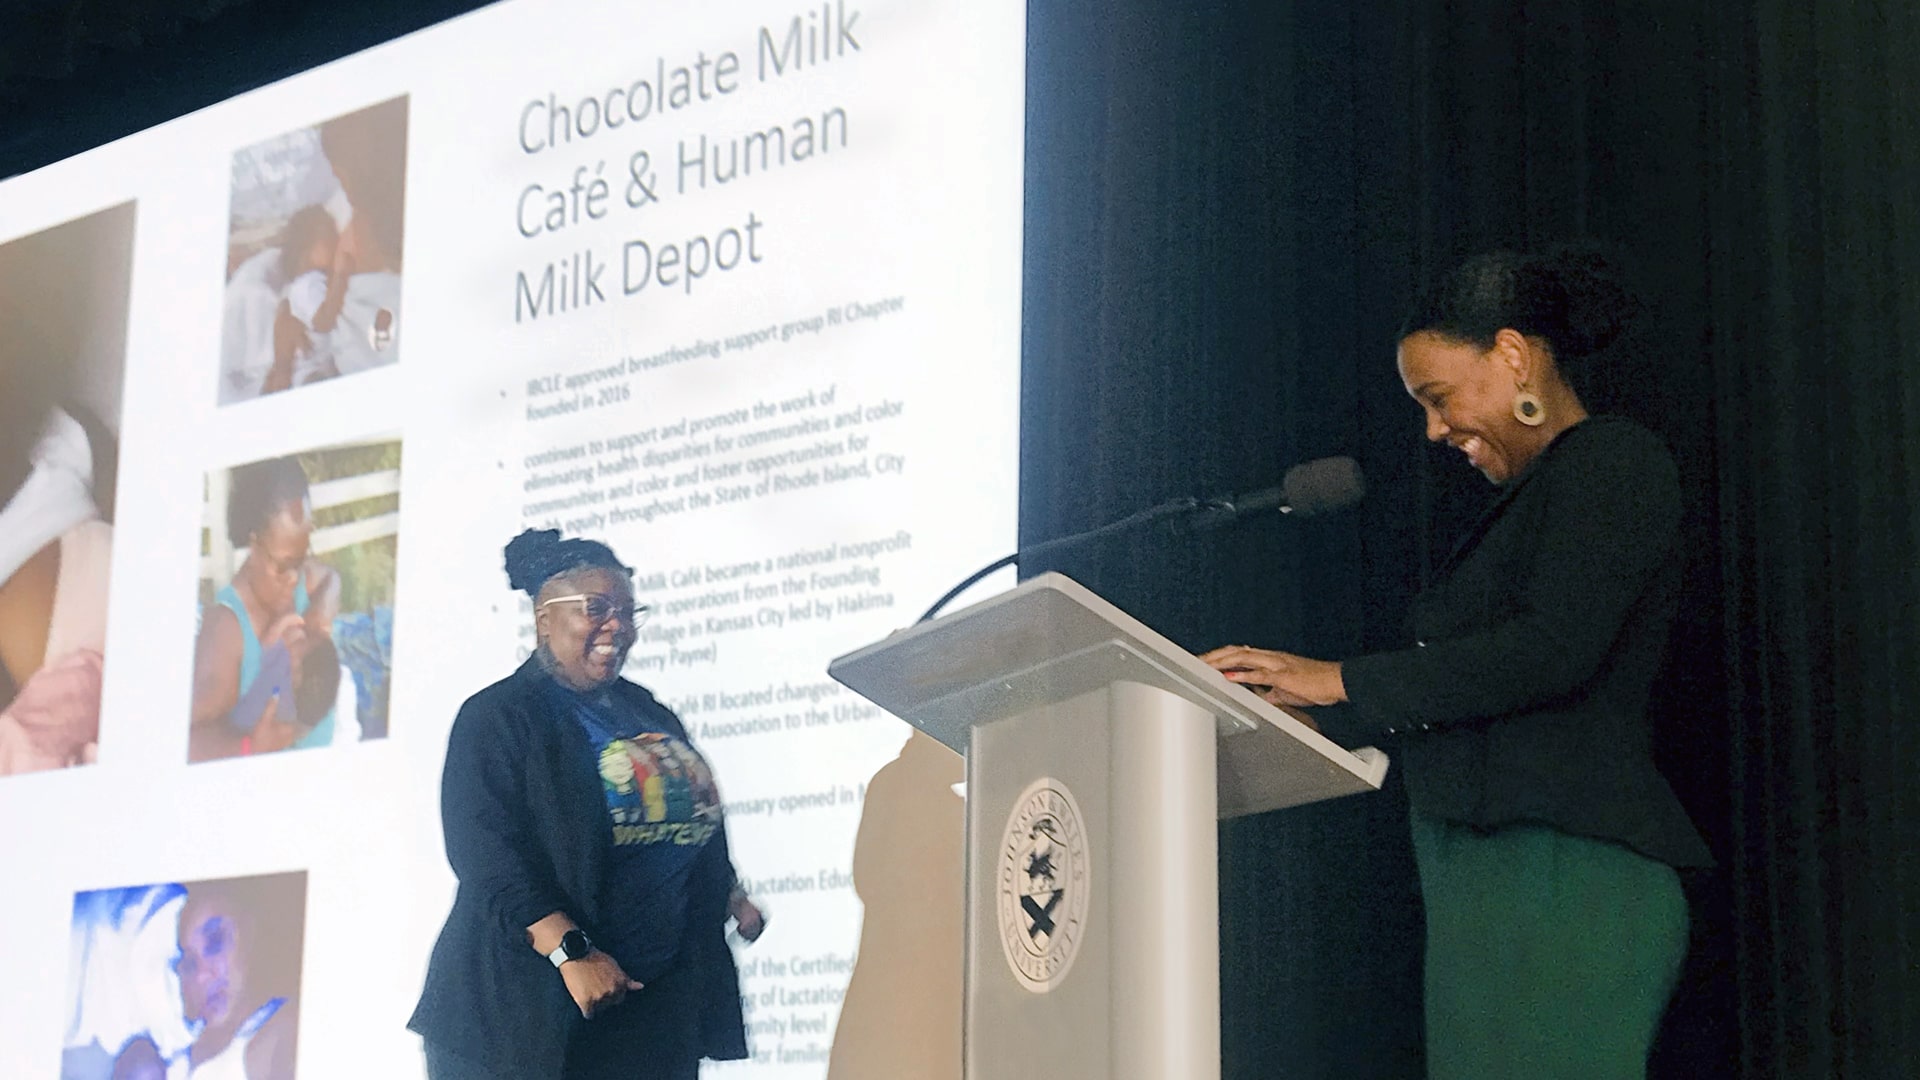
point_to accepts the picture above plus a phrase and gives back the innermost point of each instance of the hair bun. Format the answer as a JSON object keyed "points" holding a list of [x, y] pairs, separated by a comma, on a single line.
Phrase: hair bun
{"points": [[1598, 304], [537, 556], [532, 558]]}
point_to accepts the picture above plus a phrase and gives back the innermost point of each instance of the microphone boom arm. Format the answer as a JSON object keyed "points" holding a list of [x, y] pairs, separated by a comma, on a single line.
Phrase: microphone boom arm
{"points": [[1313, 488], [1172, 508]]}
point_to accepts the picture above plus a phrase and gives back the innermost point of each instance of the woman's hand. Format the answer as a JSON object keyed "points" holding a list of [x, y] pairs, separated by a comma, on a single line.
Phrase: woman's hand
{"points": [[597, 982], [346, 263], [270, 735], [749, 920], [290, 630], [1281, 678], [55, 719], [289, 341], [346, 250]]}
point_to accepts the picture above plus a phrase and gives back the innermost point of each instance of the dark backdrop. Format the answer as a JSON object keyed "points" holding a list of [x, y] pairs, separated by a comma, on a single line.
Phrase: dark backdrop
{"points": [[1228, 206]]}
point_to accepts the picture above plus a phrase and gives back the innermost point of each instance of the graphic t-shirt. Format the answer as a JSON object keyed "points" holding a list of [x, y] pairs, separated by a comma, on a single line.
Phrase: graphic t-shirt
{"points": [[663, 808]]}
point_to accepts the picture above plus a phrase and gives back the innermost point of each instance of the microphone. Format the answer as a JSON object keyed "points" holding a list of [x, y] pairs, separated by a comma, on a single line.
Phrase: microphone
{"points": [[1316, 487]]}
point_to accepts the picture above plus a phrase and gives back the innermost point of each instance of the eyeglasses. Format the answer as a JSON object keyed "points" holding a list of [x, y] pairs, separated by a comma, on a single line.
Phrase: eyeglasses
{"points": [[599, 608]]}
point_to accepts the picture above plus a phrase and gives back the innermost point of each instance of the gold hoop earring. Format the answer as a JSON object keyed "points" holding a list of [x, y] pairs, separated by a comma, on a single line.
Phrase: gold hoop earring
{"points": [[1528, 408]]}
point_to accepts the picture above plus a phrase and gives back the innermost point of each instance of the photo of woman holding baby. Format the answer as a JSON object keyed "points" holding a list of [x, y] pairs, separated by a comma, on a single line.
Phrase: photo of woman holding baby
{"points": [[294, 644], [314, 254], [265, 670]]}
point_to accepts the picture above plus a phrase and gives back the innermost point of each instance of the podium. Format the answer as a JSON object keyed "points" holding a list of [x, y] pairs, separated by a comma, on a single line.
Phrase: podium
{"points": [[1099, 756]]}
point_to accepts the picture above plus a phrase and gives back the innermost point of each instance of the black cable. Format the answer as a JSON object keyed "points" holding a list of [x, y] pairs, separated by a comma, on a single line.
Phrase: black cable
{"points": [[1172, 508]]}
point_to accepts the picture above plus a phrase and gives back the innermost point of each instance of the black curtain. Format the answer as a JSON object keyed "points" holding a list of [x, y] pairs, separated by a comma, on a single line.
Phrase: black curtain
{"points": [[1214, 245], [1813, 268], [78, 73], [1228, 207]]}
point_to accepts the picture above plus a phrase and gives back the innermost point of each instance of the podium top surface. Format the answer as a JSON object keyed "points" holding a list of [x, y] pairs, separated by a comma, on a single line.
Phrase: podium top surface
{"points": [[1051, 639]]}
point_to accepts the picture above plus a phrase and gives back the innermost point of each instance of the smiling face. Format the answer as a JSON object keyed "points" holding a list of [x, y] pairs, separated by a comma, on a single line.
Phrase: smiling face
{"points": [[585, 654], [1467, 394]]}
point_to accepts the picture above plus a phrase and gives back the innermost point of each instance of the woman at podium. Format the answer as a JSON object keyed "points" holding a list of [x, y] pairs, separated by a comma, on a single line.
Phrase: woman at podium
{"points": [[1546, 840], [587, 937]]}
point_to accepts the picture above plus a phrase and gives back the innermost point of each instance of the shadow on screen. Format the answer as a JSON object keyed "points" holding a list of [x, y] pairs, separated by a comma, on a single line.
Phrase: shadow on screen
{"points": [[901, 1016]]}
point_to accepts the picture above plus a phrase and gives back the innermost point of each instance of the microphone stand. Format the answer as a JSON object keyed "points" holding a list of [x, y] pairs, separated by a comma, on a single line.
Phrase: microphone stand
{"points": [[1312, 488], [1173, 508]]}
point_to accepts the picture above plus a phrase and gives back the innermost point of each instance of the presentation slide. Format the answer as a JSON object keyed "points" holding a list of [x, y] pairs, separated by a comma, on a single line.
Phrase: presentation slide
{"points": [[734, 289]]}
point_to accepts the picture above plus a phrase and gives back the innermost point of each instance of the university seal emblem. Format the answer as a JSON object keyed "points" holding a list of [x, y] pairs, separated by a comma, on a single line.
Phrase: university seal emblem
{"points": [[1043, 885]]}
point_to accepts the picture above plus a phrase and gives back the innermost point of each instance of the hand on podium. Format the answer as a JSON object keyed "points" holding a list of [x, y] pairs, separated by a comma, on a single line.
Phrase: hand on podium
{"points": [[1281, 678]]}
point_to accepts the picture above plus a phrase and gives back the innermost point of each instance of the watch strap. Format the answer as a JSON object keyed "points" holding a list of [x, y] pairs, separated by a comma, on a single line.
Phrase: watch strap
{"points": [[574, 945]]}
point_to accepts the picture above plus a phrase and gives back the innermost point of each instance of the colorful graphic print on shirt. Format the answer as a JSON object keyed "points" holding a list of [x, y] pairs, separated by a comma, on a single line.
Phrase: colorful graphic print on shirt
{"points": [[659, 791]]}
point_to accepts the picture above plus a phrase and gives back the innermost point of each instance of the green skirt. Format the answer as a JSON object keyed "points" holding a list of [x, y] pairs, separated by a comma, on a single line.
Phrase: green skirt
{"points": [[1549, 956]]}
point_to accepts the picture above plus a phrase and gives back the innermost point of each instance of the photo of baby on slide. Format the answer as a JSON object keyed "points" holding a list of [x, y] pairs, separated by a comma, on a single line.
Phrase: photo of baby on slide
{"points": [[313, 254], [294, 649], [63, 335], [186, 979]]}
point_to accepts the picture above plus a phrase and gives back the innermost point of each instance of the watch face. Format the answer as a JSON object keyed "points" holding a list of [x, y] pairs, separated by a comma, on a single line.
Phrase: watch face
{"points": [[575, 945]]}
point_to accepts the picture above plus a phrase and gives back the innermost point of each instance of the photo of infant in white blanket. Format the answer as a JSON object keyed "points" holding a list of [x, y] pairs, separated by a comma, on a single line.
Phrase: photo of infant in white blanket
{"points": [[314, 254]]}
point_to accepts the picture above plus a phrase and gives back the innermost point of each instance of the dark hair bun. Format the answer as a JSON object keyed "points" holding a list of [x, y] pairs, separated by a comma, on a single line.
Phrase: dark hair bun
{"points": [[530, 557], [258, 490], [1595, 304], [537, 556], [1571, 296]]}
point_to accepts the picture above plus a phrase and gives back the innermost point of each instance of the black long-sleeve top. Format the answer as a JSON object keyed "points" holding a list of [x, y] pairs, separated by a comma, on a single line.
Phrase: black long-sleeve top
{"points": [[1526, 696], [527, 834]]}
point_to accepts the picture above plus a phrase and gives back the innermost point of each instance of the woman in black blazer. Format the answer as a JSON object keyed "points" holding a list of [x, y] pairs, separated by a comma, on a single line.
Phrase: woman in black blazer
{"points": [[1546, 840], [587, 937]]}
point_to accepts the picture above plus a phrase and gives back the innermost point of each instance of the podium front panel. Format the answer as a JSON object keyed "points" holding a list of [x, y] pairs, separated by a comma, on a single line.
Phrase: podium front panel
{"points": [[1092, 915]]}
